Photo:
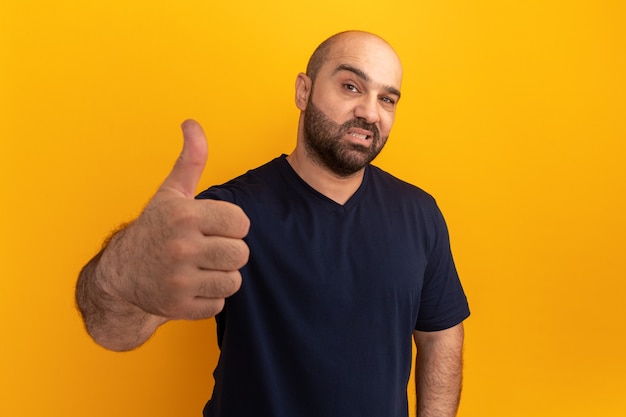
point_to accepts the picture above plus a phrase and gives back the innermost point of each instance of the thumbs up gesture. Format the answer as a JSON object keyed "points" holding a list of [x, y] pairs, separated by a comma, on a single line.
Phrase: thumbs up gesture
{"points": [[178, 260]]}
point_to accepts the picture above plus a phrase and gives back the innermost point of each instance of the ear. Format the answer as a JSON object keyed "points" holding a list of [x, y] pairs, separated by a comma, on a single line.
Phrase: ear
{"points": [[303, 90]]}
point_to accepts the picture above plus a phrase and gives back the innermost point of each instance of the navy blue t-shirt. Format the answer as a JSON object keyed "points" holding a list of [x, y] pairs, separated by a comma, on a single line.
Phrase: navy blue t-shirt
{"points": [[331, 295]]}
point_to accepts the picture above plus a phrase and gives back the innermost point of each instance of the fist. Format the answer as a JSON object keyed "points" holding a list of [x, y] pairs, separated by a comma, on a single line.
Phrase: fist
{"points": [[181, 258]]}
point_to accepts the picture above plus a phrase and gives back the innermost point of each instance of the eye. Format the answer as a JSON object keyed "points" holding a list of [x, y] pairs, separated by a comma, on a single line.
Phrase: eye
{"points": [[351, 87], [388, 100]]}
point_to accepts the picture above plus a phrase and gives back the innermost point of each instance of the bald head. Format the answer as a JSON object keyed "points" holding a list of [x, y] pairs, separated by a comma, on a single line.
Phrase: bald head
{"points": [[347, 101], [340, 41]]}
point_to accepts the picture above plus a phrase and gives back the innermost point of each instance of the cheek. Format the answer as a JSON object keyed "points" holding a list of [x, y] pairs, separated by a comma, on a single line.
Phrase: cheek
{"points": [[339, 114], [386, 122], [333, 107]]}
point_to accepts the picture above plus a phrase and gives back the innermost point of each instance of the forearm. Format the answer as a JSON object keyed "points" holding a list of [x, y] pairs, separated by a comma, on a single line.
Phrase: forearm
{"points": [[111, 321], [180, 259], [439, 369]]}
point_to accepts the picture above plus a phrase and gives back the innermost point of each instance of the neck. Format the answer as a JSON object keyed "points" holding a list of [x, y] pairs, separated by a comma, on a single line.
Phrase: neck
{"points": [[337, 188]]}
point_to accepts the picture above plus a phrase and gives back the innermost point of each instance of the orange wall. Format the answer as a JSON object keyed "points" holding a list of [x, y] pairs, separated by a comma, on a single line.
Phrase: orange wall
{"points": [[513, 115]]}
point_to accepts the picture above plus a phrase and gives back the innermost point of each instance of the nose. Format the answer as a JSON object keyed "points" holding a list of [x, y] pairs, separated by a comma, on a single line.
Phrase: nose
{"points": [[367, 109]]}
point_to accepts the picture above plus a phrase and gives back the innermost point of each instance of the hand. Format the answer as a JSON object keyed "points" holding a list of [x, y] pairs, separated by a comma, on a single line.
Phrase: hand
{"points": [[180, 258]]}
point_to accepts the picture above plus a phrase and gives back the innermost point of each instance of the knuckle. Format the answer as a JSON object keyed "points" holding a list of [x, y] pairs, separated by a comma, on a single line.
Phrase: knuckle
{"points": [[230, 283], [180, 250], [230, 218], [235, 254], [176, 215], [182, 214], [236, 281], [242, 222], [239, 250], [211, 308], [204, 308], [174, 295], [220, 284]]}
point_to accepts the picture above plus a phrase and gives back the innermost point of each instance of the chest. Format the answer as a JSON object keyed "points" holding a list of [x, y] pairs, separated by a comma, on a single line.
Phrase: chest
{"points": [[362, 260]]}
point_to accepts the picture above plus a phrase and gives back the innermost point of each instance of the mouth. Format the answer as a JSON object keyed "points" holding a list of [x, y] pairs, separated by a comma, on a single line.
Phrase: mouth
{"points": [[360, 134]]}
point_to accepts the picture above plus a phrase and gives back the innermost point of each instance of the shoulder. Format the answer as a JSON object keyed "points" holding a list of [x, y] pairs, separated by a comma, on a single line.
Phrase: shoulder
{"points": [[253, 182], [405, 204], [397, 190]]}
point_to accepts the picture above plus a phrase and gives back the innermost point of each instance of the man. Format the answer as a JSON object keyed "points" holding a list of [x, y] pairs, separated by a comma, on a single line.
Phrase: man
{"points": [[345, 262]]}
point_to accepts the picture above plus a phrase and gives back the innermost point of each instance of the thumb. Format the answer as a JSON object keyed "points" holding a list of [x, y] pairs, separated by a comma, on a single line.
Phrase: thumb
{"points": [[188, 168]]}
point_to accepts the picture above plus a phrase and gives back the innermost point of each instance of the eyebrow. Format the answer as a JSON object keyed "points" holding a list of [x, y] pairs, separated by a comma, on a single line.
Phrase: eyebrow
{"points": [[359, 73]]}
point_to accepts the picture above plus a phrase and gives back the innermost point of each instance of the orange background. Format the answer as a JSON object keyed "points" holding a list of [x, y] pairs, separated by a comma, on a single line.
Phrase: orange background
{"points": [[513, 115]]}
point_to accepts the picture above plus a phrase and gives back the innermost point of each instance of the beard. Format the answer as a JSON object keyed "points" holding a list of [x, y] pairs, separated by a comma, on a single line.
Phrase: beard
{"points": [[323, 139]]}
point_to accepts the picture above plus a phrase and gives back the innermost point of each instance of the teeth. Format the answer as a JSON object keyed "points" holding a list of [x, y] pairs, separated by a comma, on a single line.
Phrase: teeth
{"points": [[356, 135]]}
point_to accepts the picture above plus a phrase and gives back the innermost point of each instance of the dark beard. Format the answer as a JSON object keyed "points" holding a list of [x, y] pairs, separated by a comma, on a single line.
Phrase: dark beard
{"points": [[324, 142]]}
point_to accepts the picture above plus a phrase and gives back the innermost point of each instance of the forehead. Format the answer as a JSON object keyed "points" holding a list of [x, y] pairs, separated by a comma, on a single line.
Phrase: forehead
{"points": [[369, 54]]}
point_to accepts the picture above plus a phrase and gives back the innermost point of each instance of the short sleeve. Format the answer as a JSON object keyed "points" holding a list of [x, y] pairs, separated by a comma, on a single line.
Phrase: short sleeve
{"points": [[443, 302]]}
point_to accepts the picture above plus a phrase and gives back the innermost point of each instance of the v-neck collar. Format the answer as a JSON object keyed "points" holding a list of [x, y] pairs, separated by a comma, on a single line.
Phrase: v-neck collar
{"points": [[302, 187]]}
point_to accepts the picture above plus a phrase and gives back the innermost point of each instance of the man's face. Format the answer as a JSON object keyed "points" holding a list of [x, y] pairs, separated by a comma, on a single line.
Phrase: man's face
{"points": [[351, 107], [323, 141]]}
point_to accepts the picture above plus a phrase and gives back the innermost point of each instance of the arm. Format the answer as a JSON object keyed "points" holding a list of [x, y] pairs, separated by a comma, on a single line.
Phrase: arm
{"points": [[178, 260], [438, 371], [112, 322]]}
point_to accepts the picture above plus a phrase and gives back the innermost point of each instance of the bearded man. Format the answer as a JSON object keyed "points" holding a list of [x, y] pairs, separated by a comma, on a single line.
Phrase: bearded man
{"points": [[319, 267]]}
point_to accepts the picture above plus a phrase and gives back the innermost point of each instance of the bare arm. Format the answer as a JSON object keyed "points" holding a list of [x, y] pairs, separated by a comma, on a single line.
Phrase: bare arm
{"points": [[113, 322], [178, 260], [438, 368]]}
